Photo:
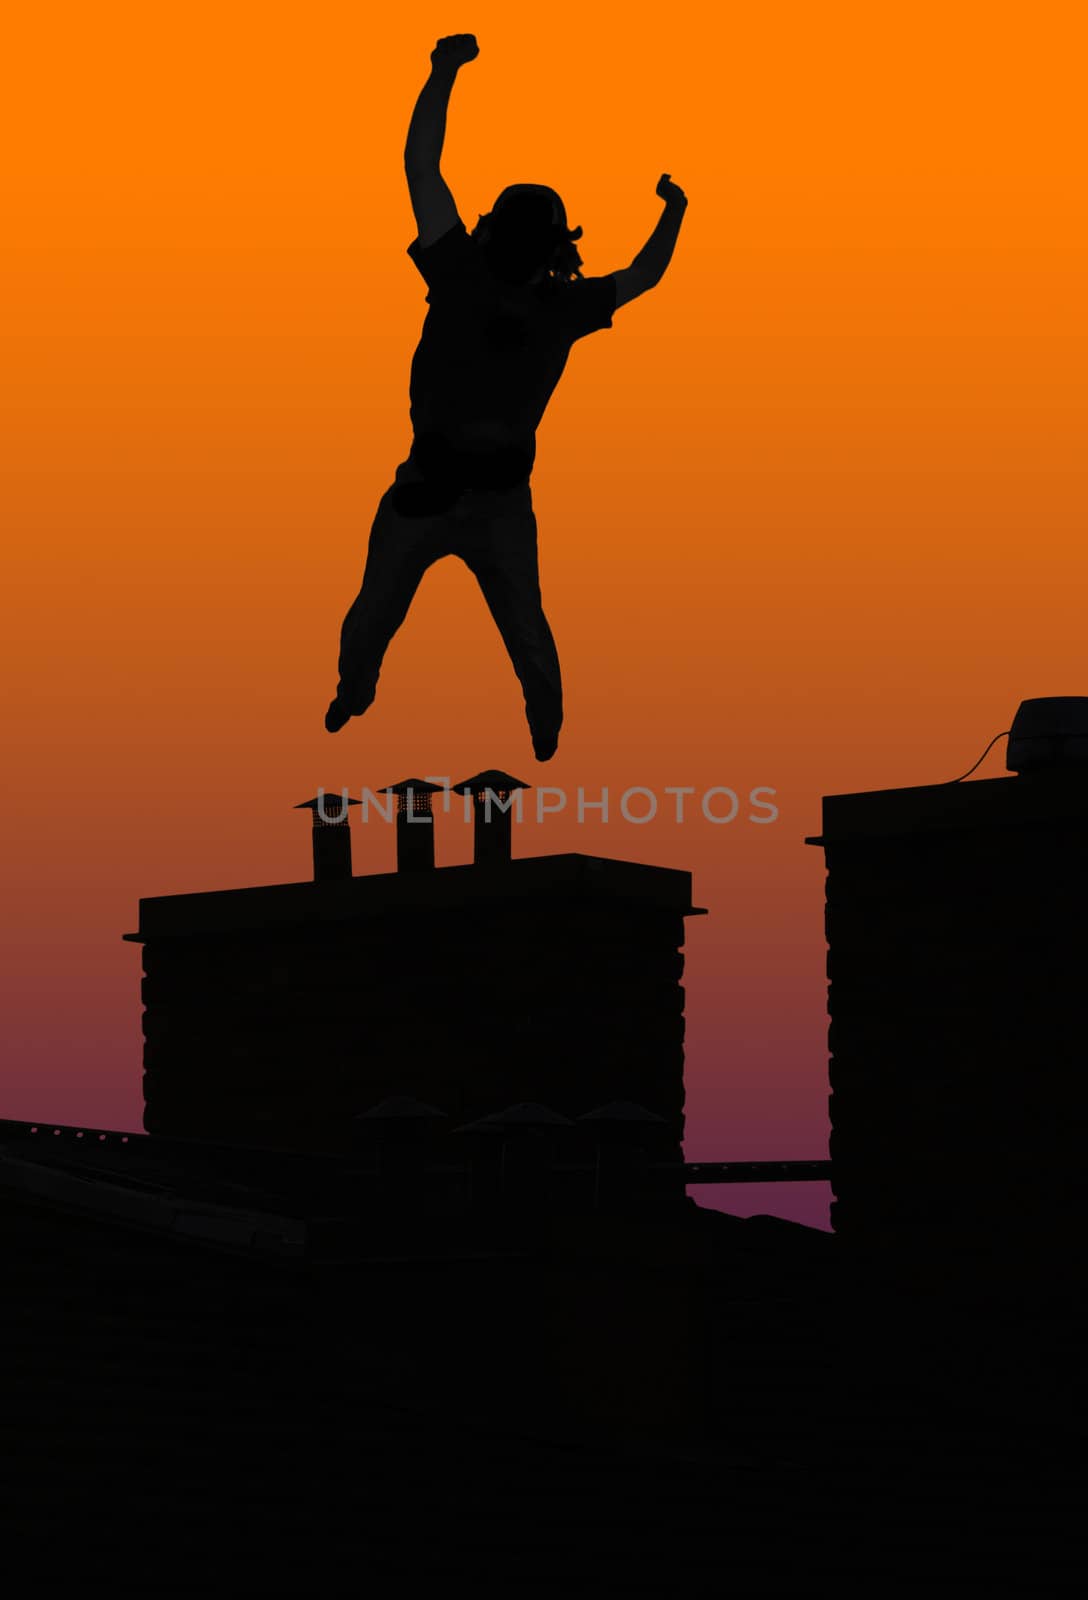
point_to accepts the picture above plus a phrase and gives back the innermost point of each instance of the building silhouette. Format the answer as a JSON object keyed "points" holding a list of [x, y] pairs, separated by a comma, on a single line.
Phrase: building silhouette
{"points": [[432, 1304], [283, 1013], [957, 1031]]}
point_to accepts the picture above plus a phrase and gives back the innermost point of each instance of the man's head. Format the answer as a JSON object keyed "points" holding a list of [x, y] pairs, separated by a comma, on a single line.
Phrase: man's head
{"points": [[525, 235]]}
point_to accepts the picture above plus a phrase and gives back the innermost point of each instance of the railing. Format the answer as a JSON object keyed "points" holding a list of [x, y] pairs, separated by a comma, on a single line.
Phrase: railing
{"points": [[757, 1171], [694, 1171], [139, 1201], [50, 1172], [11, 1128]]}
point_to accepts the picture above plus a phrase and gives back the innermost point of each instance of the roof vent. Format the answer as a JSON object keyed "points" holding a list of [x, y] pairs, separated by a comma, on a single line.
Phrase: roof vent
{"points": [[493, 795], [415, 823], [1049, 734], [331, 834]]}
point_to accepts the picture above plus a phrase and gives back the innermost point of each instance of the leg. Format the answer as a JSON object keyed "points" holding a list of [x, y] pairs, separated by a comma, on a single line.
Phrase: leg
{"points": [[398, 554], [500, 549]]}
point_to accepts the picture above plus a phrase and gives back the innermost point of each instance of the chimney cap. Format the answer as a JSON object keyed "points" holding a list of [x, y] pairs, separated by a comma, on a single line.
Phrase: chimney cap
{"points": [[328, 798], [621, 1111], [491, 779], [417, 786], [401, 1108], [527, 1114]]}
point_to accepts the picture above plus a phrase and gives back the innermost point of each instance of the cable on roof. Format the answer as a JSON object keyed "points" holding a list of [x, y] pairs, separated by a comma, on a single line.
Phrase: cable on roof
{"points": [[981, 758]]}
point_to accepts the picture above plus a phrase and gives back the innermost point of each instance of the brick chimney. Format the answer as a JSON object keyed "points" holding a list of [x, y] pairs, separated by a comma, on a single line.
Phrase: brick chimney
{"points": [[492, 799], [273, 1013], [331, 835], [415, 823]]}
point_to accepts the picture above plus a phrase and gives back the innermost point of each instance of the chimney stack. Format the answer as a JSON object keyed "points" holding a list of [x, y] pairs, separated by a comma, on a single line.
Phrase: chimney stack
{"points": [[331, 835], [274, 1013], [415, 823], [492, 798]]}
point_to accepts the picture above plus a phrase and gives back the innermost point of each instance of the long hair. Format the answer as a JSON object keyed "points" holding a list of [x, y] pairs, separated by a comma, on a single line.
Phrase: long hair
{"points": [[527, 229]]}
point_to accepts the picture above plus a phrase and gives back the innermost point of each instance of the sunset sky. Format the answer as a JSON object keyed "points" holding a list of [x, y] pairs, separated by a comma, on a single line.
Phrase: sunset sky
{"points": [[812, 513]]}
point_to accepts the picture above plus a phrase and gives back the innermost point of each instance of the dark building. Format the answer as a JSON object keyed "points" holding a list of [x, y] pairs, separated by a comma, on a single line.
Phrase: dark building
{"points": [[210, 1373], [272, 1365], [957, 952], [280, 1014]]}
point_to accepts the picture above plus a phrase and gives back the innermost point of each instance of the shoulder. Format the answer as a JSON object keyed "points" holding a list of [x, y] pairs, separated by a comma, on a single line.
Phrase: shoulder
{"points": [[454, 251], [586, 304]]}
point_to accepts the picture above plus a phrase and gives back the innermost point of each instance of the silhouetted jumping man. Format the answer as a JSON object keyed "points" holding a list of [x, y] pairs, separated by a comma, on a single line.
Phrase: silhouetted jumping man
{"points": [[506, 303]]}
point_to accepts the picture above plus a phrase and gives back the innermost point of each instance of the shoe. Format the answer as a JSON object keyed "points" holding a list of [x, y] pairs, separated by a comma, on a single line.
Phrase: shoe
{"points": [[336, 716], [545, 746]]}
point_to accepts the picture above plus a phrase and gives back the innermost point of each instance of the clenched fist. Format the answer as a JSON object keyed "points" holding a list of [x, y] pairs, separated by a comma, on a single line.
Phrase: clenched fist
{"points": [[669, 191], [454, 50]]}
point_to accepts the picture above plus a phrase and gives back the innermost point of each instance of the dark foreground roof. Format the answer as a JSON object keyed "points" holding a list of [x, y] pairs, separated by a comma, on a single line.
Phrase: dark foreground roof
{"points": [[605, 1404]]}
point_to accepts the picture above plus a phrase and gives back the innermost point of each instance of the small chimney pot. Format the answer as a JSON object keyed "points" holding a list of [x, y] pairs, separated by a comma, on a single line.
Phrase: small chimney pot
{"points": [[492, 800], [415, 823], [330, 835]]}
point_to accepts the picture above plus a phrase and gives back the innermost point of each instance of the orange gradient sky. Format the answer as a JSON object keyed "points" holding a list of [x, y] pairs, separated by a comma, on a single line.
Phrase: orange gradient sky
{"points": [[812, 513]]}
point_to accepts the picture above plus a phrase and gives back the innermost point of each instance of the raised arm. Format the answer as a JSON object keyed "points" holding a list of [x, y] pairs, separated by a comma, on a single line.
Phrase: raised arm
{"points": [[432, 203], [648, 267]]}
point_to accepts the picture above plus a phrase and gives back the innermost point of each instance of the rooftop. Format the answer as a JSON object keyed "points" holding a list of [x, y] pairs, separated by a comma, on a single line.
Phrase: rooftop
{"points": [[592, 880], [1028, 798], [633, 1407]]}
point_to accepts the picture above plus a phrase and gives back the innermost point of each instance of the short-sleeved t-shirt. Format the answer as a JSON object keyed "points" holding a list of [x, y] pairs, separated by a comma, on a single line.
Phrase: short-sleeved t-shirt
{"points": [[491, 353]]}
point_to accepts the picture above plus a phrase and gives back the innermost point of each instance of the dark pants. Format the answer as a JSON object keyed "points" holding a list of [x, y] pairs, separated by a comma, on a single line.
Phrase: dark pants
{"points": [[494, 533]]}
